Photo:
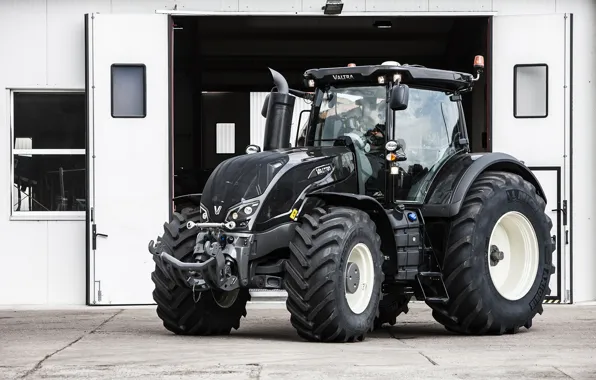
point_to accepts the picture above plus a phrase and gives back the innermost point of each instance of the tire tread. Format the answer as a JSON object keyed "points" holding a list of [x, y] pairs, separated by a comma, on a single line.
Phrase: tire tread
{"points": [[466, 312], [176, 305], [311, 289]]}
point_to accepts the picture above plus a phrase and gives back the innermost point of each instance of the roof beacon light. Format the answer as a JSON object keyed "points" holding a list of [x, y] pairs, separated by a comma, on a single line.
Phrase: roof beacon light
{"points": [[479, 66], [390, 63], [479, 62], [351, 65]]}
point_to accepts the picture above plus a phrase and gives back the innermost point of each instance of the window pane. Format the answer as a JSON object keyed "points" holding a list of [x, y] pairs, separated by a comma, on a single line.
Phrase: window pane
{"points": [[49, 120], [531, 91], [225, 138], [128, 91], [49, 183]]}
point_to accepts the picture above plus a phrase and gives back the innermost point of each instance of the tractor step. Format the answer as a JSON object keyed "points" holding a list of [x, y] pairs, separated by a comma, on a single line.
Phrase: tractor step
{"points": [[433, 287]]}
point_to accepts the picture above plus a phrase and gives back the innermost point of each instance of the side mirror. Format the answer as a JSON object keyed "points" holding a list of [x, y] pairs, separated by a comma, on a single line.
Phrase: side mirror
{"points": [[253, 149], [265, 106], [400, 96]]}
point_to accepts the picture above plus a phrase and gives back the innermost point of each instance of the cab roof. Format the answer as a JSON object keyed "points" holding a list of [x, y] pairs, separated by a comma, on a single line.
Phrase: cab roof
{"points": [[413, 75]]}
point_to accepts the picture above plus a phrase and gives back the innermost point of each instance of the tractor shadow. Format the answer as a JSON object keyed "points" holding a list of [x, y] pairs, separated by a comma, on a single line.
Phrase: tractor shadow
{"points": [[405, 331], [273, 329], [282, 331]]}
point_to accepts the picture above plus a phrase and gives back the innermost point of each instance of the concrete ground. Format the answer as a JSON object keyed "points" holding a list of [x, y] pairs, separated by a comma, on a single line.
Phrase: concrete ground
{"points": [[115, 343]]}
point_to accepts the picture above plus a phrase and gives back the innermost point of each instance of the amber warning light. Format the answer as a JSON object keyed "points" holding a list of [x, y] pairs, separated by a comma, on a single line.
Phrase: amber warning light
{"points": [[479, 66], [479, 62]]}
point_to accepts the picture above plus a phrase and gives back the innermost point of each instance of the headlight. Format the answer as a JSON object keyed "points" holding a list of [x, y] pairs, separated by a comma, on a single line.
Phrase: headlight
{"points": [[391, 146], [242, 212]]}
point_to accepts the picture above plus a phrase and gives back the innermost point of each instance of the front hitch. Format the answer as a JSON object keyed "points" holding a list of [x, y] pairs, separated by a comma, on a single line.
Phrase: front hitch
{"points": [[215, 272]]}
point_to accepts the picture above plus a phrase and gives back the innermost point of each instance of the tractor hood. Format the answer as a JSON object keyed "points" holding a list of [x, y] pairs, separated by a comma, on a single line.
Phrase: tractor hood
{"points": [[276, 178], [240, 178]]}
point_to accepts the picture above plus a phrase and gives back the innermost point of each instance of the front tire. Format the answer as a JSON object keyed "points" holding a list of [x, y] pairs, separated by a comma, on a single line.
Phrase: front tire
{"points": [[498, 258], [333, 277], [183, 311]]}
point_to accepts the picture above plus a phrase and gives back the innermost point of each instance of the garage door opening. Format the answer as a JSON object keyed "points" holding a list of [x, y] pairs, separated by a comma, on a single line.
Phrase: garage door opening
{"points": [[221, 76]]}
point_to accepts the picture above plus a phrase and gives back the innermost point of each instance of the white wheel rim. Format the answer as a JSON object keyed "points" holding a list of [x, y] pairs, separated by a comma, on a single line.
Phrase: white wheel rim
{"points": [[362, 258], [225, 299], [514, 274]]}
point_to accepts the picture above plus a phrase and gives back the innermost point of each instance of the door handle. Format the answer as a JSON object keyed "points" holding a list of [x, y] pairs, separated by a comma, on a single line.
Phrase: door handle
{"points": [[95, 235], [564, 211]]}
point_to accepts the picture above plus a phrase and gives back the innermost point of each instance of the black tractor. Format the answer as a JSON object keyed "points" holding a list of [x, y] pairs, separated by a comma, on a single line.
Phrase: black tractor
{"points": [[380, 201]]}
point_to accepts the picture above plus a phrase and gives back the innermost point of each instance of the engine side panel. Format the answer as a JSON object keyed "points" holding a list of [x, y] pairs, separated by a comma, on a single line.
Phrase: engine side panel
{"points": [[331, 169]]}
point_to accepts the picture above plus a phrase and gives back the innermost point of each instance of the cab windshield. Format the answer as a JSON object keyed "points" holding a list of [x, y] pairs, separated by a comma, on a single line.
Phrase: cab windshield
{"points": [[350, 110], [427, 130]]}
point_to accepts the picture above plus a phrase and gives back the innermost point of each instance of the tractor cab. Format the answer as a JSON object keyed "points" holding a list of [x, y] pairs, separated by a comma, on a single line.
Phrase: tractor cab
{"points": [[403, 122]]}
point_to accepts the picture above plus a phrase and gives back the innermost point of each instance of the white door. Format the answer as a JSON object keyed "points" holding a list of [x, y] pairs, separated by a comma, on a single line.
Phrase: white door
{"points": [[129, 144], [530, 115]]}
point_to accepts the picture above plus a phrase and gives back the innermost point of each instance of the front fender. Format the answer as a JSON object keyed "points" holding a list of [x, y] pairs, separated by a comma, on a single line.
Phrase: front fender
{"points": [[452, 183], [187, 200], [372, 207]]}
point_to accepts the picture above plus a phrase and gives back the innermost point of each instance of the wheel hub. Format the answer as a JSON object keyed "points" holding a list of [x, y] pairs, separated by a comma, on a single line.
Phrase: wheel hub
{"points": [[513, 273], [359, 275], [352, 278], [225, 299], [496, 255]]}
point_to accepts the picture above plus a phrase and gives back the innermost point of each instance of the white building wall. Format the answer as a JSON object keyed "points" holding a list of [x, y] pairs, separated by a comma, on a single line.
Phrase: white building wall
{"points": [[42, 45]]}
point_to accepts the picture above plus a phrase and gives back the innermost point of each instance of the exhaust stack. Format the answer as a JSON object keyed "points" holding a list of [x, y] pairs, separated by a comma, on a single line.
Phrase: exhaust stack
{"points": [[278, 110]]}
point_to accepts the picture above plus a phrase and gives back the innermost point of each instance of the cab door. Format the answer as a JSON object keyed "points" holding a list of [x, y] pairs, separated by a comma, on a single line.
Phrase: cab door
{"points": [[129, 155], [530, 115]]}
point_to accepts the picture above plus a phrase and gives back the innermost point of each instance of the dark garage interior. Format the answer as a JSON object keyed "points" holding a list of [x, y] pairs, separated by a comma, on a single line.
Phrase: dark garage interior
{"points": [[220, 60]]}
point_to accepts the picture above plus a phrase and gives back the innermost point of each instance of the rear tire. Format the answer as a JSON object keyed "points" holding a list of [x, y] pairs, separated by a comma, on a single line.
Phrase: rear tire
{"points": [[211, 312], [502, 211], [332, 245]]}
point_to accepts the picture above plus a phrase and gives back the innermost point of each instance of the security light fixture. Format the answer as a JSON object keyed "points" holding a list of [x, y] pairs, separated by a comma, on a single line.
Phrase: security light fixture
{"points": [[333, 7]]}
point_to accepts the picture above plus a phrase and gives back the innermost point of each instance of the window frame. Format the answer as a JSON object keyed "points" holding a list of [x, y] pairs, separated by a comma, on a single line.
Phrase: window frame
{"points": [[39, 215], [515, 67]]}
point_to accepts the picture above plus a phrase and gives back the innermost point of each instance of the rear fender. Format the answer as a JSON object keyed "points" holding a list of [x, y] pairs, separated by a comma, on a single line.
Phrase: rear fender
{"points": [[455, 179], [372, 207]]}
